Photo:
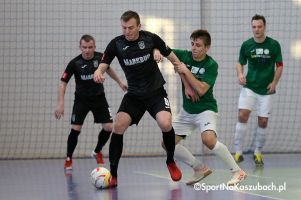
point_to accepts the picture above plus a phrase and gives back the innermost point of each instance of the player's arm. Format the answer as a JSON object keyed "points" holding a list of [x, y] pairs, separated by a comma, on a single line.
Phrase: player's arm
{"points": [[272, 86], [99, 73], [59, 111], [116, 78], [199, 86], [240, 74], [189, 92]]}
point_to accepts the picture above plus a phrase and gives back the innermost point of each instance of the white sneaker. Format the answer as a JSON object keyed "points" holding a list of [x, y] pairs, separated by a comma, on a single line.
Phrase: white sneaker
{"points": [[237, 177], [199, 174]]}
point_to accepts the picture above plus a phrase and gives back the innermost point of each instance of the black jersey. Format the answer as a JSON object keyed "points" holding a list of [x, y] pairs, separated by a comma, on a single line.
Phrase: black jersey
{"points": [[83, 71], [136, 59]]}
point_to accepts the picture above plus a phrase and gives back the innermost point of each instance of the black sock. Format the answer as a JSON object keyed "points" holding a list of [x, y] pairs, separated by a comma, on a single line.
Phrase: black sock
{"points": [[72, 142], [103, 137], [115, 152], [169, 142]]}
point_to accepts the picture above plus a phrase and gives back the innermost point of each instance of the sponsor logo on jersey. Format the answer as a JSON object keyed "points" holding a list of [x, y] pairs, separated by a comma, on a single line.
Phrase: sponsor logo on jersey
{"points": [[95, 63], [141, 44], [207, 123], [86, 77], [84, 66], [138, 60], [260, 53]]}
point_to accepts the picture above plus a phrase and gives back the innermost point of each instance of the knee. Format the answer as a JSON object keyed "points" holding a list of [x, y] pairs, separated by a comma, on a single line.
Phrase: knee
{"points": [[263, 123], [119, 127], [76, 127], [107, 126], [242, 117], [209, 140]]}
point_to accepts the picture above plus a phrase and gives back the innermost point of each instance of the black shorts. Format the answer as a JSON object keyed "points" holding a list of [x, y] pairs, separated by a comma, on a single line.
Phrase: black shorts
{"points": [[136, 106], [98, 105]]}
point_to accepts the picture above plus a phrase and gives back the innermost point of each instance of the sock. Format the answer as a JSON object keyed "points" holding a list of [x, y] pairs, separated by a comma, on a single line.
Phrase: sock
{"points": [[115, 151], [184, 155], [260, 139], [241, 129], [103, 137], [169, 142], [223, 153], [72, 142]]}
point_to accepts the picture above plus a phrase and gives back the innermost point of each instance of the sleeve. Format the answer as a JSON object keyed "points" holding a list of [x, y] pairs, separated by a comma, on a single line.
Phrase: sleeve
{"points": [[160, 44], [211, 74], [242, 57], [69, 71], [110, 53], [278, 58]]}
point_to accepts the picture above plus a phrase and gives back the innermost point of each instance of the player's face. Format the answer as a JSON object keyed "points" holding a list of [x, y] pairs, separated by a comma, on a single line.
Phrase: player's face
{"points": [[130, 29], [88, 49], [199, 49], [258, 29]]}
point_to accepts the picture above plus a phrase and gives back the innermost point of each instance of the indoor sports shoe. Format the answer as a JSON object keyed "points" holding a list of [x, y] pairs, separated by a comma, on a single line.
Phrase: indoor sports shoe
{"points": [[238, 158], [98, 157], [199, 174], [237, 177], [112, 182], [258, 159], [68, 164], [174, 171]]}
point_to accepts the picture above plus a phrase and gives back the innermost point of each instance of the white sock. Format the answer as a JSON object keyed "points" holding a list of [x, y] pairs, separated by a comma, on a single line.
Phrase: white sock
{"points": [[260, 139], [241, 129], [184, 155], [223, 153]]}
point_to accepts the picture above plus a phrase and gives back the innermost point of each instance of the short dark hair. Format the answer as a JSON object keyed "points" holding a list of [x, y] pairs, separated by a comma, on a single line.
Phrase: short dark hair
{"points": [[259, 17], [86, 38], [126, 16], [202, 34]]}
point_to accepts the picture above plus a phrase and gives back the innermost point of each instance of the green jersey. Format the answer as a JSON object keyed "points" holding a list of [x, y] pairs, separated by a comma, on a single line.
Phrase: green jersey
{"points": [[205, 71], [261, 59]]}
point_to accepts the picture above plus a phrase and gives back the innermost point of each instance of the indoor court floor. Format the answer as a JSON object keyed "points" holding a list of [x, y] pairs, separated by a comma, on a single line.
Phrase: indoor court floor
{"points": [[147, 178]]}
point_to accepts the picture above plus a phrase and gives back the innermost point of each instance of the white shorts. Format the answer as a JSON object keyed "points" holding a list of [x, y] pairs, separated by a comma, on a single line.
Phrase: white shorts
{"points": [[248, 99], [186, 124]]}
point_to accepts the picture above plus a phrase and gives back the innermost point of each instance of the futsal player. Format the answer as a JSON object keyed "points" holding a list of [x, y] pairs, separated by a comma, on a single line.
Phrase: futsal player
{"points": [[265, 65], [134, 50], [200, 70], [89, 96]]}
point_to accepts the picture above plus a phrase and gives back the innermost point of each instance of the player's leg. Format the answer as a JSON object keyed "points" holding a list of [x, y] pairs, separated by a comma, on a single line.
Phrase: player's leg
{"points": [[159, 108], [263, 112], [207, 121], [184, 126], [130, 112], [79, 113], [102, 114], [246, 103]]}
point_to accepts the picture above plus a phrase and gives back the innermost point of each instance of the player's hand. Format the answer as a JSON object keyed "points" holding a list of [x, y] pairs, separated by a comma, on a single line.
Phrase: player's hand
{"points": [[123, 86], [59, 111], [181, 68], [271, 88], [158, 57], [98, 76], [191, 94], [242, 79]]}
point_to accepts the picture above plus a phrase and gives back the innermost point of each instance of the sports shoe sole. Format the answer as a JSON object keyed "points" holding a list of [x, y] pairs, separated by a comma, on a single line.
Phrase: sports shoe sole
{"points": [[207, 173]]}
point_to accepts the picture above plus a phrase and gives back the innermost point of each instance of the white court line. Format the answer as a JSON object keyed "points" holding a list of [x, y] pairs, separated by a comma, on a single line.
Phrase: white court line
{"points": [[182, 181]]}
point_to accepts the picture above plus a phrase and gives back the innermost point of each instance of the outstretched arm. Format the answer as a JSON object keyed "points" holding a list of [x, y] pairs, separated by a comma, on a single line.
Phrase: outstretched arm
{"points": [[99, 73], [116, 78], [59, 111]]}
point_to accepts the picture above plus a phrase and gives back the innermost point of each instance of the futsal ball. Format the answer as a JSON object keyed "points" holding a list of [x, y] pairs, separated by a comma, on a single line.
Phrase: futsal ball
{"points": [[100, 177]]}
